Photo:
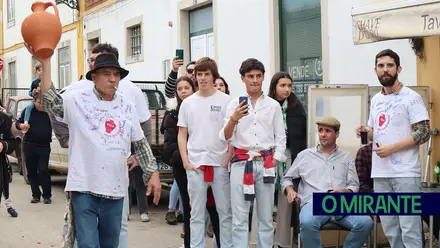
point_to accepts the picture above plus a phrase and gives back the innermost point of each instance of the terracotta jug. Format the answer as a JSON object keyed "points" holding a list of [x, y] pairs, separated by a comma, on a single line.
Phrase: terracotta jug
{"points": [[42, 30]]}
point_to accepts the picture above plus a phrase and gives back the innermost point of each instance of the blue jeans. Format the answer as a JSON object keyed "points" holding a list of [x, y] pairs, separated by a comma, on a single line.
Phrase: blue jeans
{"points": [[310, 225], [198, 190], [27, 114], [174, 196], [401, 231], [264, 194], [97, 221]]}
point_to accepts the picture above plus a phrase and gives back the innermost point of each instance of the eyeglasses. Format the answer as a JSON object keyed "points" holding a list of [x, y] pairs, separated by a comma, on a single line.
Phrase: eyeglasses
{"points": [[190, 71], [90, 60]]}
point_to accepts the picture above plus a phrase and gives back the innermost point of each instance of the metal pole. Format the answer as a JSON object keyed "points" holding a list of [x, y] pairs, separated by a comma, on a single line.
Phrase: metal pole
{"points": [[426, 180]]}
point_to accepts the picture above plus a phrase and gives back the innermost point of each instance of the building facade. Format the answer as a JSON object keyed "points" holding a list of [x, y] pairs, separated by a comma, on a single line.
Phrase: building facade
{"points": [[311, 39], [18, 63]]}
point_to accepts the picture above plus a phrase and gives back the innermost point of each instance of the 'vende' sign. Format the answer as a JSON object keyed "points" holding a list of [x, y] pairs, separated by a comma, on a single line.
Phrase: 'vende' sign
{"points": [[397, 23]]}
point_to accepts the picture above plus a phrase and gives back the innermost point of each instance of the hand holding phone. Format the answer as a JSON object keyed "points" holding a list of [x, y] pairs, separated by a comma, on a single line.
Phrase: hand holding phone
{"points": [[179, 53], [245, 100], [241, 110]]}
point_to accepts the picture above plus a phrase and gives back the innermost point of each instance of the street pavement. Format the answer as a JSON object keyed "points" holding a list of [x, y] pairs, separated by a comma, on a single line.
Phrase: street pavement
{"points": [[40, 225]]}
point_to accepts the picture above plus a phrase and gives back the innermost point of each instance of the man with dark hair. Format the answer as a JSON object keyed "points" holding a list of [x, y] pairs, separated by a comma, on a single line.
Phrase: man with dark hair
{"points": [[36, 150], [170, 84], [257, 133], [204, 156], [398, 124]]}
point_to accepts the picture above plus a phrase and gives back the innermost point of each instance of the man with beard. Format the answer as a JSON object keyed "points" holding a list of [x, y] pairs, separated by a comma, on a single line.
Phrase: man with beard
{"points": [[310, 165], [398, 125]]}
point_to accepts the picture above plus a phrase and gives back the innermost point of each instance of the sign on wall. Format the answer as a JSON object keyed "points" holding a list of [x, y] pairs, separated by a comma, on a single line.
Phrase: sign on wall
{"points": [[404, 19], [308, 69]]}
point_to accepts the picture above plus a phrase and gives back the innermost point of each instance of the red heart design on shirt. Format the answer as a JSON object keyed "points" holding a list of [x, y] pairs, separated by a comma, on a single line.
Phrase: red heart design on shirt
{"points": [[382, 119], [109, 126]]}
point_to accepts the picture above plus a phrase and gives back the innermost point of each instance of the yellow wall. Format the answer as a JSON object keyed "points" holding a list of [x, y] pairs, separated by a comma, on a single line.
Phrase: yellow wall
{"points": [[1, 28], [428, 74], [79, 37]]}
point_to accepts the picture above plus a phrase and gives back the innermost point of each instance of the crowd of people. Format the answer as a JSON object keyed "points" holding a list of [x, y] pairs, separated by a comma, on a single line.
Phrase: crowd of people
{"points": [[226, 154]]}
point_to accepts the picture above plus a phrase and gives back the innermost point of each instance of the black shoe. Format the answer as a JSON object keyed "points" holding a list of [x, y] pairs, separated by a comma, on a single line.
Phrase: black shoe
{"points": [[12, 212], [171, 218], [179, 217], [35, 200], [47, 201]]}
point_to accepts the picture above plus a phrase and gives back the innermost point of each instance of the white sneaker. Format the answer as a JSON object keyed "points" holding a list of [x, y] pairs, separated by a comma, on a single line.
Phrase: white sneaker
{"points": [[144, 218]]}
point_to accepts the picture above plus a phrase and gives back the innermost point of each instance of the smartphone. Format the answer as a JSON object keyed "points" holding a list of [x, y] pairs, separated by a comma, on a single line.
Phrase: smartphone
{"points": [[179, 53], [245, 99]]}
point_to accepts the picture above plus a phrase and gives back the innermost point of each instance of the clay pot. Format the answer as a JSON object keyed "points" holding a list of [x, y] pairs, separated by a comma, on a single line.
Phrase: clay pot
{"points": [[42, 30]]}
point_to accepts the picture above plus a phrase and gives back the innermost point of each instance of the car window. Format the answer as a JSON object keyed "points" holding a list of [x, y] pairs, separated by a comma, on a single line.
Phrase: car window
{"points": [[11, 107], [155, 99], [21, 106]]}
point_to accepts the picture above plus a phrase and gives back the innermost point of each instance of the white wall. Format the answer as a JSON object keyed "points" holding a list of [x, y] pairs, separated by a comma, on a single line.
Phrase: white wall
{"points": [[12, 35], [23, 61], [242, 32], [350, 64], [156, 34]]}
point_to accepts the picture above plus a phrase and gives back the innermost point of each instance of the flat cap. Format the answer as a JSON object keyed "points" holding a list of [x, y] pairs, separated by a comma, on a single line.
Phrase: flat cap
{"points": [[329, 121]]}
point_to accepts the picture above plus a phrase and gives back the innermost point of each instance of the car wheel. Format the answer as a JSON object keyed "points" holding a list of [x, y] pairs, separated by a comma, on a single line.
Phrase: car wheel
{"points": [[23, 167]]}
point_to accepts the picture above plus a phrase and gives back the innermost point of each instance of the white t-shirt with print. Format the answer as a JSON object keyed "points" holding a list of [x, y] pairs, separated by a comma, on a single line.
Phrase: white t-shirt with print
{"points": [[100, 135], [125, 87], [203, 116], [391, 117]]}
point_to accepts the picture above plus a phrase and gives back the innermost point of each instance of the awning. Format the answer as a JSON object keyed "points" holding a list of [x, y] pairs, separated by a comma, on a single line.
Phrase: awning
{"points": [[396, 20]]}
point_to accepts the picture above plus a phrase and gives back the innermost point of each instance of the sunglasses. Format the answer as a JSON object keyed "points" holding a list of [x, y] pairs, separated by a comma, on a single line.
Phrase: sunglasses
{"points": [[190, 71]]}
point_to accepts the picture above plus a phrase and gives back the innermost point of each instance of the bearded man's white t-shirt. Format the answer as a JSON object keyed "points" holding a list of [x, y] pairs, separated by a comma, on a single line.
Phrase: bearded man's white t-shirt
{"points": [[392, 117], [204, 118], [126, 87], [100, 136]]}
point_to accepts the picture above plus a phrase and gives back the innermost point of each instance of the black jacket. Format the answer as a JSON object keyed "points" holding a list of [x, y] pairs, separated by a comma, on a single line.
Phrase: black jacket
{"points": [[296, 130], [171, 154], [40, 131], [10, 143]]}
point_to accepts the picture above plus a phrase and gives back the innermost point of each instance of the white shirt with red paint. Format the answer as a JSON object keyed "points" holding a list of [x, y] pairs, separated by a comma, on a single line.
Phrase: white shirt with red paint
{"points": [[103, 132], [392, 117]]}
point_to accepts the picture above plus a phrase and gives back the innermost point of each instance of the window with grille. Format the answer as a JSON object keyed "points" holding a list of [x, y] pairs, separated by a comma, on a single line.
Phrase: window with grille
{"points": [[136, 40], [64, 66], [11, 11]]}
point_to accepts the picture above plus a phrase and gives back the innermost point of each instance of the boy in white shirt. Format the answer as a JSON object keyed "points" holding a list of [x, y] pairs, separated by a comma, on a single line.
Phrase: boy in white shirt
{"points": [[258, 135], [204, 155], [398, 125]]}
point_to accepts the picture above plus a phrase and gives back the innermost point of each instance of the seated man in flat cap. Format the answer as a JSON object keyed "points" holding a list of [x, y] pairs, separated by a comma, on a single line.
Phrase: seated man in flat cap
{"points": [[325, 168]]}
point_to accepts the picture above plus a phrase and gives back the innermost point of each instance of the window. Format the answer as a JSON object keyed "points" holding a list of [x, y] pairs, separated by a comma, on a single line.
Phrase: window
{"points": [[136, 40], [201, 34], [301, 45], [64, 66], [12, 75], [11, 13]]}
